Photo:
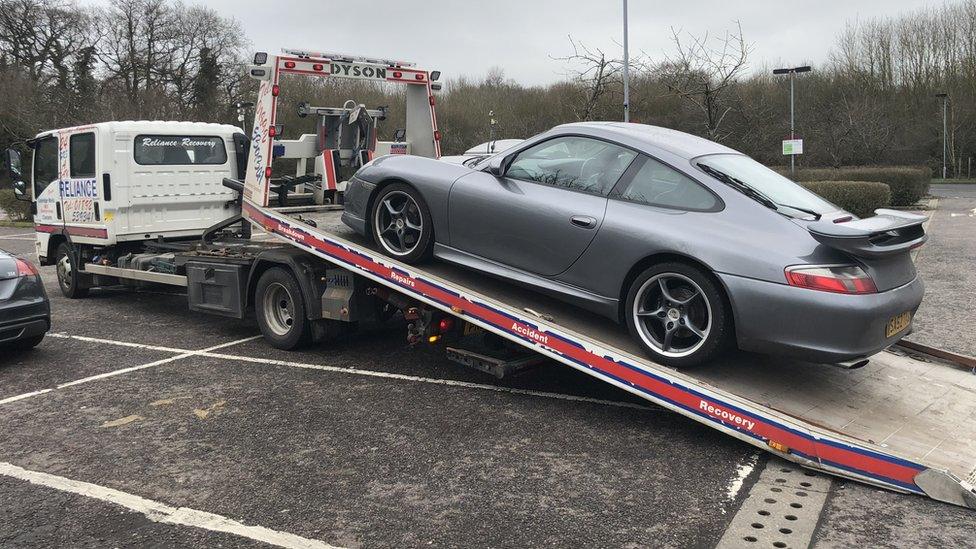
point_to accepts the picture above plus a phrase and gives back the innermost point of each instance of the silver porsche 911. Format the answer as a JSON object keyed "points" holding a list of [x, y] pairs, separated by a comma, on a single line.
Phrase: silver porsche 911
{"points": [[692, 245]]}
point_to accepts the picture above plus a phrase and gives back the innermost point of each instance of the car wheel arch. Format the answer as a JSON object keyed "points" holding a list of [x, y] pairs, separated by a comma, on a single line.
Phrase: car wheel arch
{"points": [[664, 257]]}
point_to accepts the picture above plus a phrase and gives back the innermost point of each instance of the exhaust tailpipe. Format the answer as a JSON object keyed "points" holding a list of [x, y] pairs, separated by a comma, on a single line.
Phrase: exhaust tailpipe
{"points": [[852, 364]]}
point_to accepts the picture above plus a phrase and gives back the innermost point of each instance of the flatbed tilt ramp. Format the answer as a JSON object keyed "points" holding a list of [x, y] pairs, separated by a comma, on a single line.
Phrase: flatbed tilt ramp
{"points": [[905, 422]]}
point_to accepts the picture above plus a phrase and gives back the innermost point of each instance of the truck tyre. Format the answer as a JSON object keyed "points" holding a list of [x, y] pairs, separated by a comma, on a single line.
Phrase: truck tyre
{"points": [[678, 314], [280, 310], [401, 223], [71, 282]]}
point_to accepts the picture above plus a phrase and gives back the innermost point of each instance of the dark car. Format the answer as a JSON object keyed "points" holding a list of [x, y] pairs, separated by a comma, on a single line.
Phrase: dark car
{"points": [[689, 243], [25, 312]]}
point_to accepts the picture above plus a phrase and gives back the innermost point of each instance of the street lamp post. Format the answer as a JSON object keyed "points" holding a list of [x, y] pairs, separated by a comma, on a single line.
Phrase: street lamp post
{"points": [[792, 71], [945, 127], [626, 70]]}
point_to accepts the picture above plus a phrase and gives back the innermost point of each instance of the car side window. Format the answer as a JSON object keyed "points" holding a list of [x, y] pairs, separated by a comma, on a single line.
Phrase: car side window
{"points": [[82, 155], [577, 163], [45, 163], [658, 184]]}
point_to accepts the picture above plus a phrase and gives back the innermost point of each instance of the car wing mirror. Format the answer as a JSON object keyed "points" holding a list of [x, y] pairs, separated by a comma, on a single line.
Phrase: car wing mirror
{"points": [[496, 165]]}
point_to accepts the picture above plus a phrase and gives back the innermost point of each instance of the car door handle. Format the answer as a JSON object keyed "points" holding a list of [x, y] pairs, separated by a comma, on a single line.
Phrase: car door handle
{"points": [[584, 221]]}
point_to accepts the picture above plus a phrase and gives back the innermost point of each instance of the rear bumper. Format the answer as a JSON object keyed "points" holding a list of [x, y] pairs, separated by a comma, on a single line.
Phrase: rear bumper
{"points": [[816, 326], [24, 327], [26, 313]]}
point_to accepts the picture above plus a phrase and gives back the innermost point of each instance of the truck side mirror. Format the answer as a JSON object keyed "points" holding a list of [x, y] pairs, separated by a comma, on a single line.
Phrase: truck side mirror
{"points": [[12, 172], [496, 165], [20, 190], [11, 166]]}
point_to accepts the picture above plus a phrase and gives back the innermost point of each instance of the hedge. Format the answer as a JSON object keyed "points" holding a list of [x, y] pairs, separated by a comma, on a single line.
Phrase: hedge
{"points": [[908, 184], [860, 198], [16, 210]]}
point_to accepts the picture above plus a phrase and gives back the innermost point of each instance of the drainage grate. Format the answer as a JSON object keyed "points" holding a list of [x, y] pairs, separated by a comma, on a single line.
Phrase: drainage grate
{"points": [[781, 510]]}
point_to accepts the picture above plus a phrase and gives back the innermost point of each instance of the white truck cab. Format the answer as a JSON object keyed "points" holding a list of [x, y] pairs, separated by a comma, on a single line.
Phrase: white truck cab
{"points": [[114, 182]]}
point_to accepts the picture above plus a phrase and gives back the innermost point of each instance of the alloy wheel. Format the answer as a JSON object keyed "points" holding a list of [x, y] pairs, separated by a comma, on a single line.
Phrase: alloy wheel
{"points": [[398, 223], [672, 314]]}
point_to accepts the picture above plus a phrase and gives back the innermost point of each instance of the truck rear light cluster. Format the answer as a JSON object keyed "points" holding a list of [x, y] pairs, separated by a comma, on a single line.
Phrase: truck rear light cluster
{"points": [[846, 279]]}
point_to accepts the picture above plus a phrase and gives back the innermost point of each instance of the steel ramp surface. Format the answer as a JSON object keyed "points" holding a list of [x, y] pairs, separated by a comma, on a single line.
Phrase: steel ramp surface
{"points": [[903, 422]]}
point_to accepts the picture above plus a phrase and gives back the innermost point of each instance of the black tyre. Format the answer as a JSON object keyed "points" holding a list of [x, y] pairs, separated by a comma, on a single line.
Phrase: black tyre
{"points": [[678, 314], [401, 224], [280, 310], [73, 284]]}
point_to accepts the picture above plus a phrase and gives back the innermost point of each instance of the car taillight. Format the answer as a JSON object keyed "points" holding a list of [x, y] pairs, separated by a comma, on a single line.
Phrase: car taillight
{"points": [[26, 268], [849, 279]]}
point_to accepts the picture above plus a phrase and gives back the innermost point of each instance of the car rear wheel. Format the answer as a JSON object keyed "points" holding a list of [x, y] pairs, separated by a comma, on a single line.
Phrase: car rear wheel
{"points": [[280, 310], [678, 314], [401, 223], [70, 280]]}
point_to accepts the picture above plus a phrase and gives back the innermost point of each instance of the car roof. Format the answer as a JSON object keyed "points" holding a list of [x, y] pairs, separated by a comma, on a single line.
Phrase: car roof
{"points": [[152, 126], [676, 142]]}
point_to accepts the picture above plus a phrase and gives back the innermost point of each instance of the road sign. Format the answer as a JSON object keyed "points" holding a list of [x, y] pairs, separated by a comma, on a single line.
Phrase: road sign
{"points": [[792, 146]]}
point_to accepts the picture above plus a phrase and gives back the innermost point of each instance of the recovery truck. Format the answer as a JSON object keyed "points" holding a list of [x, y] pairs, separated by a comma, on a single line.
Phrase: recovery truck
{"points": [[142, 203]]}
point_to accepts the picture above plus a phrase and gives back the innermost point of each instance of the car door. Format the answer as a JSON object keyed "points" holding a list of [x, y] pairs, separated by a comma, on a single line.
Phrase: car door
{"points": [[544, 212]]}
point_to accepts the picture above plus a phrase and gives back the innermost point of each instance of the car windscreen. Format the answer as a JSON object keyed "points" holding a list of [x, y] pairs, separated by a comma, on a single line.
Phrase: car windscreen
{"points": [[771, 185], [170, 150]]}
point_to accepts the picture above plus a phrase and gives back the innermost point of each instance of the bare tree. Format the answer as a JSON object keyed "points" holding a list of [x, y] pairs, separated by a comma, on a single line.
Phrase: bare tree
{"points": [[595, 75], [704, 72]]}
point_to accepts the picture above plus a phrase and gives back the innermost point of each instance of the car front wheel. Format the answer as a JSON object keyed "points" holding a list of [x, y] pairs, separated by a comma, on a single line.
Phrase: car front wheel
{"points": [[678, 315], [401, 223]]}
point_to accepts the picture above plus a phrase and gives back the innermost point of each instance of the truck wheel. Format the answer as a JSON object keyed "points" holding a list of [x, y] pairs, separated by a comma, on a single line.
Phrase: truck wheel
{"points": [[69, 279], [281, 310], [401, 223], [678, 314]]}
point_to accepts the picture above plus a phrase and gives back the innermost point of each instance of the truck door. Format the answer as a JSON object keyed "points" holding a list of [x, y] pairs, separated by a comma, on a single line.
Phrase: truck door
{"points": [[80, 208], [47, 197]]}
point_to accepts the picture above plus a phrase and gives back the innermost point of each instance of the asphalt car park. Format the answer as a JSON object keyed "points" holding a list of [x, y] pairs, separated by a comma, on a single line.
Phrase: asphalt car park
{"points": [[190, 430]]}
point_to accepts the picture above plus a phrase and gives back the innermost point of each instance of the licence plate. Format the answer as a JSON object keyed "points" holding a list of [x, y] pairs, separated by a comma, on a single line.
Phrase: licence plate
{"points": [[898, 323]]}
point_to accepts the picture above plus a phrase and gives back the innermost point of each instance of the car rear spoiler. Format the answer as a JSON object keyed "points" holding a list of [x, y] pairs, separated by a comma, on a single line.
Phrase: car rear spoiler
{"points": [[889, 232]]}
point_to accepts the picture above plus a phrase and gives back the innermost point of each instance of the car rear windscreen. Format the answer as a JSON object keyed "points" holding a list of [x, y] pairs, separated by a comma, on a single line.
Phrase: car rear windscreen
{"points": [[175, 150]]}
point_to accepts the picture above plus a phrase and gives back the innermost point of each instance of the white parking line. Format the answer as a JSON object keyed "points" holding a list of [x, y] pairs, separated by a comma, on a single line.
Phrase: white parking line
{"points": [[358, 372], [433, 381], [162, 513], [19, 236], [62, 335], [185, 354]]}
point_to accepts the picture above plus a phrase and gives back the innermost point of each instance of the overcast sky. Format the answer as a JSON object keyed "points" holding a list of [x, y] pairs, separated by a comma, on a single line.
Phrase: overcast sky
{"points": [[468, 38]]}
